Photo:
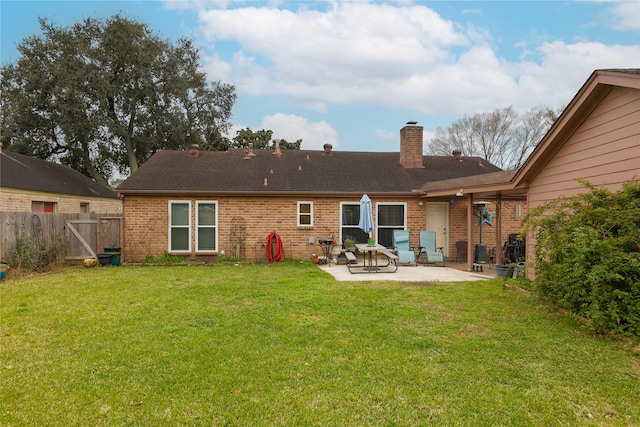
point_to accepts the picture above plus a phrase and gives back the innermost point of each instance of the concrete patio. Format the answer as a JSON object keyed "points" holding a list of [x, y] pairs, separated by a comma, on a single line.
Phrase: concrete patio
{"points": [[453, 272]]}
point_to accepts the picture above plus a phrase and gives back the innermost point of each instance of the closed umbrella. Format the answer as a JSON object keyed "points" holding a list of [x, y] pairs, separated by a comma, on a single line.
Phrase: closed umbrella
{"points": [[366, 216]]}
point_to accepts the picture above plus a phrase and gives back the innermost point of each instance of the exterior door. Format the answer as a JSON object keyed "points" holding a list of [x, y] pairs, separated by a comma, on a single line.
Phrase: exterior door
{"points": [[437, 220]]}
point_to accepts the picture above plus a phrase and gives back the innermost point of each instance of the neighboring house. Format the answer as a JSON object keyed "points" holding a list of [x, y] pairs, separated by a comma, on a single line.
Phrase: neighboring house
{"points": [[596, 138], [202, 204], [28, 184]]}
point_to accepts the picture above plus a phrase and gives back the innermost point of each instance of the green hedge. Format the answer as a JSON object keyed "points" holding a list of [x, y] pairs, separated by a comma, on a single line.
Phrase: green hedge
{"points": [[588, 255]]}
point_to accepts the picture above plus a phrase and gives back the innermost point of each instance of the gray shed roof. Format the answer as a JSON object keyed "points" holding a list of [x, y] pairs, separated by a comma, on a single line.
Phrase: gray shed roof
{"points": [[294, 171], [28, 173]]}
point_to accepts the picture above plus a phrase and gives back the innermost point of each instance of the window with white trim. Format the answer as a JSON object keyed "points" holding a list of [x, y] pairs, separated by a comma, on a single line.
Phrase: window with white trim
{"points": [[305, 214], [179, 226], [391, 216], [207, 226], [349, 219]]}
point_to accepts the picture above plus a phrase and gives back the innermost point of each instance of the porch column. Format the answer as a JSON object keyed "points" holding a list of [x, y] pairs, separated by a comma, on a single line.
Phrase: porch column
{"points": [[470, 253], [498, 227]]}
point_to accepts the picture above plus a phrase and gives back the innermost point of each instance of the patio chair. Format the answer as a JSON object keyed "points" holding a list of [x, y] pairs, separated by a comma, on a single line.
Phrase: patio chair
{"points": [[462, 249], [402, 248], [492, 257], [428, 248]]}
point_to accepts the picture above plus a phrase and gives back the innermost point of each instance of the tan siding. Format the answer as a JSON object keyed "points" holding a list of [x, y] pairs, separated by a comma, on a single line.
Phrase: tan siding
{"points": [[605, 149], [617, 105]]}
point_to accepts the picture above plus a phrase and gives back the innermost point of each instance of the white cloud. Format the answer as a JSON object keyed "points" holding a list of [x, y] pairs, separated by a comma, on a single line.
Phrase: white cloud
{"points": [[563, 68], [398, 57], [335, 56], [291, 127], [385, 134], [625, 15]]}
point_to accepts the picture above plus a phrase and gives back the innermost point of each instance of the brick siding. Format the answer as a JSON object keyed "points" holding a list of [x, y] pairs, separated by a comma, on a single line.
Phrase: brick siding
{"points": [[146, 224], [21, 202]]}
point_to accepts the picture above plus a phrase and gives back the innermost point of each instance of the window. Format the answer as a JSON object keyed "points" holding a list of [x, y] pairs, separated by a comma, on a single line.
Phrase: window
{"points": [[390, 217], [207, 220], [179, 226], [84, 207], [43, 206], [349, 219], [305, 214]]}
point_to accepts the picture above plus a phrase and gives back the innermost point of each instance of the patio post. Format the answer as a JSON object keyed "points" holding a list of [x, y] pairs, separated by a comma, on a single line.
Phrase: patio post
{"points": [[470, 248], [498, 253]]}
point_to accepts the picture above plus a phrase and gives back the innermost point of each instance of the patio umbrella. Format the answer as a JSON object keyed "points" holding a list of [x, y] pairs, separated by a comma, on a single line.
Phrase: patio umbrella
{"points": [[366, 216]]}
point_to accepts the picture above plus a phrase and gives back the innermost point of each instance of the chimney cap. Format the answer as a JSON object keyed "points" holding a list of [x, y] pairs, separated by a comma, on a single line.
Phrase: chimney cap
{"points": [[412, 123]]}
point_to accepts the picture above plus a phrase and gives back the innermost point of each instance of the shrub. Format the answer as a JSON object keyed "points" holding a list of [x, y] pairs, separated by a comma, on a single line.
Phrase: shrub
{"points": [[588, 255], [30, 255], [166, 258]]}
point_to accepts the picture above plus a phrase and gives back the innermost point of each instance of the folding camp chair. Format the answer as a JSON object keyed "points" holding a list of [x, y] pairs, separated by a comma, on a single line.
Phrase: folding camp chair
{"points": [[428, 248], [402, 248]]}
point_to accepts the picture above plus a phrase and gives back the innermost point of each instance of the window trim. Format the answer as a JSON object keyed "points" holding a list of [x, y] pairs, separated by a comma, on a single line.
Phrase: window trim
{"points": [[198, 226], [404, 219], [41, 205], [171, 226], [299, 214], [341, 225]]}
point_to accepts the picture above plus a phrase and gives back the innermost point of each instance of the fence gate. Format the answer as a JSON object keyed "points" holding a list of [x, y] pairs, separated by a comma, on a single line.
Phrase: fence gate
{"points": [[82, 237], [90, 236]]}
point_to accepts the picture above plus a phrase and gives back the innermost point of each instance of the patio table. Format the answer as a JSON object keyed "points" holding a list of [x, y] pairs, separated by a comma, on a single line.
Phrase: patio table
{"points": [[369, 252]]}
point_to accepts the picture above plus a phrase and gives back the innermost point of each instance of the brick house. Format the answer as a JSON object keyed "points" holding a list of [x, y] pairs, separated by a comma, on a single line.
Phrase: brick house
{"points": [[597, 138], [28, 184], [203, 204]]}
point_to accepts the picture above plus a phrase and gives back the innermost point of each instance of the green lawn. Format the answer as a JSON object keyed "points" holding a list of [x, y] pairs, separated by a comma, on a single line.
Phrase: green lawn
{"points": [[287, 345]]}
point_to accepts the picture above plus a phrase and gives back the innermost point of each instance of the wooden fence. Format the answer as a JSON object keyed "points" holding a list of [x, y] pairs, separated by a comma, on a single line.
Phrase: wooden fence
{"points": [[85, 235]]}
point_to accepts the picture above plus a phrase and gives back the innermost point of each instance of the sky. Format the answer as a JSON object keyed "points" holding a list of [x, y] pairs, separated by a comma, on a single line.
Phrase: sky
{"points": [[352, 73]]}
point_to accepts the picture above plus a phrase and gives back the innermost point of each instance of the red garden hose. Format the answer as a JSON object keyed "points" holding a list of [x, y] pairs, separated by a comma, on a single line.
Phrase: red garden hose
{"points": [[275, 250]]}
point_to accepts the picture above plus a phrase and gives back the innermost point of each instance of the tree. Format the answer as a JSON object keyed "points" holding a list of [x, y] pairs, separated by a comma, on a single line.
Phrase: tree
{"points": [[261, 139], [104, 95], [502, 137]]}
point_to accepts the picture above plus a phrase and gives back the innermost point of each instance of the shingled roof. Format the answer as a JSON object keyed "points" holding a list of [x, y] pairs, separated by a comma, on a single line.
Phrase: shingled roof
{"points": [[492, 178], [22, 172], [293, 171]]}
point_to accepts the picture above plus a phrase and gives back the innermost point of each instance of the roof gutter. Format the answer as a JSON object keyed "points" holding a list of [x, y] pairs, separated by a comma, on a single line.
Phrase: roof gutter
{"points": [[265, 193], [504, 189]]}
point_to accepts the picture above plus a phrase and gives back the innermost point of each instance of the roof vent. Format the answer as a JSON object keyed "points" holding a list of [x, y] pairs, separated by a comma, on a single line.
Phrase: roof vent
{"points": [[194, 149], [249, 152], [457, 155], [327, 148]]}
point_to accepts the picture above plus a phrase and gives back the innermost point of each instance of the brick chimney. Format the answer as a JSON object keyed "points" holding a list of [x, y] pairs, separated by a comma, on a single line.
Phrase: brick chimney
{"points": [[411, 146], [194, 149]]}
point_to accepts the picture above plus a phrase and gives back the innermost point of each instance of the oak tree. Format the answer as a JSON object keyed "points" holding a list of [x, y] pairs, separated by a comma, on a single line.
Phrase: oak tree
{"points": [[103, 95]]}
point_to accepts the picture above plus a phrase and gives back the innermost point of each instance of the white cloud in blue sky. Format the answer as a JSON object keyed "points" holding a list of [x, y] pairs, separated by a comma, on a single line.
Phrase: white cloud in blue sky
{"points": [[351, 73]]}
